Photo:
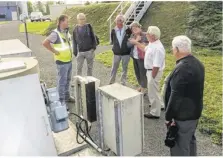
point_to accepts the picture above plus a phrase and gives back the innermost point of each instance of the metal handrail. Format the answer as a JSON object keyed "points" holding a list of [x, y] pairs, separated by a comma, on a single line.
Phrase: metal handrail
{"points": [[110, 17], [120, 4]]}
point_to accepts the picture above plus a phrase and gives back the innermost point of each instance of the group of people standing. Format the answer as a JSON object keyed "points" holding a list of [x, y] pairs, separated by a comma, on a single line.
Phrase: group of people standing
{"points": [[148, 54], [183, 92]]}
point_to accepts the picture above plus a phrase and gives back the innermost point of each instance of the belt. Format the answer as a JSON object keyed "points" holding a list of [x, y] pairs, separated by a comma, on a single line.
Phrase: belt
{"points": [[149, 69]]}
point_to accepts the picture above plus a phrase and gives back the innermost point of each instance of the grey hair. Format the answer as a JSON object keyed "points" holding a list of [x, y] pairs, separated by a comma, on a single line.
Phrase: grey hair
{"points": [[135, 23], [183, 43], [81, 15], [120, 16], [154, 30]]}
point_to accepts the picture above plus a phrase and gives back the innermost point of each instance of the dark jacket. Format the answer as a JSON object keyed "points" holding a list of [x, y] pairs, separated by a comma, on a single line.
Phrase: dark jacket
{"points": [[123, 50], [184, 93], [143, 40], [83, 41]]}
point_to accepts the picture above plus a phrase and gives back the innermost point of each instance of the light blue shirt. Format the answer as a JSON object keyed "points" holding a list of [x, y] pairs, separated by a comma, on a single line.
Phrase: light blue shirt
{"points": [[120, 34]]}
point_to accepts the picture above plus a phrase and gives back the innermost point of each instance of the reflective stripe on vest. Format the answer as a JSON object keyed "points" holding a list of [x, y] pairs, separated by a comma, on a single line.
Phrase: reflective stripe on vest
{"points": [[63, 48]]}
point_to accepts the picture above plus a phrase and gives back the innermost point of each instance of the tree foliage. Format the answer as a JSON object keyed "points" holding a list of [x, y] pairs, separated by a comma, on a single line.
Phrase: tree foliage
{"points": [[40, 6], [30, 7], [204, 25]]}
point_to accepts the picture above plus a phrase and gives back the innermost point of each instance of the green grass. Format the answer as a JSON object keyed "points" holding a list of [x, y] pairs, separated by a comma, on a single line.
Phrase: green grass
{"points": [[97, 15], [35, 27], [211, 120], [3, 22], [170, 17]]}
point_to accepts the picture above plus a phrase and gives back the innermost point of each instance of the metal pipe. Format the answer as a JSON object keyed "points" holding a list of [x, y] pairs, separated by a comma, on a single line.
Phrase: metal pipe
{"points": [[95, 146], [27, 39]]}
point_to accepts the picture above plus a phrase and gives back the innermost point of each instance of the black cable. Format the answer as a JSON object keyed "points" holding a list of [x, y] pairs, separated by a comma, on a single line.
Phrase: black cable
{"points": [[86, 131]]}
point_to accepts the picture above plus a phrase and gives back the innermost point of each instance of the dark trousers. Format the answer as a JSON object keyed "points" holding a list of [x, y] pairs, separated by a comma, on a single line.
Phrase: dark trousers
{"points": [[140, 72], [186, 140]]}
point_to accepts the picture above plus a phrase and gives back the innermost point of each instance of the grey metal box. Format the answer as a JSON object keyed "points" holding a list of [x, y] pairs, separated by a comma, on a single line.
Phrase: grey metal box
{"points": [[121, 122]]}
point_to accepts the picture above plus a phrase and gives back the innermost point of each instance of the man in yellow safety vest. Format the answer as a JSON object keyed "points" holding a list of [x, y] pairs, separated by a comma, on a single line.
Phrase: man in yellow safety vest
{"points": [[59, 42]]}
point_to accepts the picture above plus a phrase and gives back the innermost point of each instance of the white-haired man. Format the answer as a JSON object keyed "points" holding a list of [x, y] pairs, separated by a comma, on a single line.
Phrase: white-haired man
{"points": [[119, 38], [154, 62], [84, 44], [184, 97]]}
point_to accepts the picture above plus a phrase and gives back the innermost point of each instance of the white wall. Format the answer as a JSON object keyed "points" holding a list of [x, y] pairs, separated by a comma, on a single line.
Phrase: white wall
{"points": [[23, 6], [57, 10]]}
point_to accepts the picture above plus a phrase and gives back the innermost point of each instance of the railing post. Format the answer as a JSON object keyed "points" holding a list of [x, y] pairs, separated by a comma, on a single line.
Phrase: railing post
{"points": [[110, 30], [121, 7]]}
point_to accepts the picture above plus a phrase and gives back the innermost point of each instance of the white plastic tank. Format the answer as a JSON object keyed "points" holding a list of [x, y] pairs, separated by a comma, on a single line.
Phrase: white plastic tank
{"points": [[25, 128]]}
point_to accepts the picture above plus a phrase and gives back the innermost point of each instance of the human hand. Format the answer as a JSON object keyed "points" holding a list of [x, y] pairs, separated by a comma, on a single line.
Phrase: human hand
{"points": [[170, 123], [132, 41], [138, 38], [56, 52]]}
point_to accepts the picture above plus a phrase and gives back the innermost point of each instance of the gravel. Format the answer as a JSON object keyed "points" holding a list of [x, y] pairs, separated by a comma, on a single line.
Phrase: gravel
{"points": [[154, 129]]}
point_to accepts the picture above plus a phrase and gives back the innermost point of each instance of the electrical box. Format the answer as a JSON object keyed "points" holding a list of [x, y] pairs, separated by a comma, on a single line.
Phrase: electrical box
{"points": [[14, 48], [121, 121], [85, 96]]}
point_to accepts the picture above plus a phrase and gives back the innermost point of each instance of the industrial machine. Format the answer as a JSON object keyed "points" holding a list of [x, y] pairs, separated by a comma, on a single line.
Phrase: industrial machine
{"points": [[57, 111]]}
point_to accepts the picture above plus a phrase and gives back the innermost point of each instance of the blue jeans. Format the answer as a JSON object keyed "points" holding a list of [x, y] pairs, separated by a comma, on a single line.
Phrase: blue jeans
{"points": [[64, 72]]}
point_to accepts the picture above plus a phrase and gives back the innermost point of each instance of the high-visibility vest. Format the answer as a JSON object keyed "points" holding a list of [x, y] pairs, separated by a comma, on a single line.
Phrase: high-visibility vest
{"points": [[62, 45]]}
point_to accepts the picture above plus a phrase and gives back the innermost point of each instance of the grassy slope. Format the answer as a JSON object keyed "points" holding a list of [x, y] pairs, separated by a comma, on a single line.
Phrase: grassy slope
{"points": [[97, 15], [35, 27], [170, 17]]}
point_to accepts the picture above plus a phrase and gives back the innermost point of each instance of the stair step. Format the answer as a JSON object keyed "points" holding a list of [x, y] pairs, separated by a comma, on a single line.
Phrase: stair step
{"points": [[128, 23], [139, 8]]}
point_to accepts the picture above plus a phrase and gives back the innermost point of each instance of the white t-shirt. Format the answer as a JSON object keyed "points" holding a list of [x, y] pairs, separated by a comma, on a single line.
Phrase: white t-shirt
{"points": [[135, 53], [154, 56]]}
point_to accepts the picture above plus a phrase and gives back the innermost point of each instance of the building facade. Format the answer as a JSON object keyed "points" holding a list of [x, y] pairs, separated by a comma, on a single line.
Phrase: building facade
{"points": [[10, 10]]}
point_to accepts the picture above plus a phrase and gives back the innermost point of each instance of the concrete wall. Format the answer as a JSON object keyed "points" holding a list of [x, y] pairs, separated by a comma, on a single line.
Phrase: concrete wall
{"points": [[57, 10]]}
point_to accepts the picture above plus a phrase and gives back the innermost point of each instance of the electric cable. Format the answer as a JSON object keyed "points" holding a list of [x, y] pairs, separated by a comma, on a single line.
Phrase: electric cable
{"points": [[85, 131]]}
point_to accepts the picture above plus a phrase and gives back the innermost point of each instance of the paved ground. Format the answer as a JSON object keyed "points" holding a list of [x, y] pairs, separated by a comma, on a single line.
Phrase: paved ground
{"points": [[154, 129]]}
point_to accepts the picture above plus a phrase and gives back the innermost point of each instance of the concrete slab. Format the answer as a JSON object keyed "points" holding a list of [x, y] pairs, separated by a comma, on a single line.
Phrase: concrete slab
{"points": [[66, 143]]}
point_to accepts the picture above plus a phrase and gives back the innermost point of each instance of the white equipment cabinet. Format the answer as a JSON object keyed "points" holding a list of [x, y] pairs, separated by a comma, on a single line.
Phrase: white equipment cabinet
{"points": [[121, 122], [14, 48], [25, 128]]}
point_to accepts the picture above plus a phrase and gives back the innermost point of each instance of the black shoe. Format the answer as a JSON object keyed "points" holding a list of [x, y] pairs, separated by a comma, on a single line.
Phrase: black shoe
{"points": [[149, 116]]}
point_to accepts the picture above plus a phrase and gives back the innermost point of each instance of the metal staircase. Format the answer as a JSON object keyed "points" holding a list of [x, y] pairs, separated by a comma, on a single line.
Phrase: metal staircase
{"points": [[135, 12]]}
